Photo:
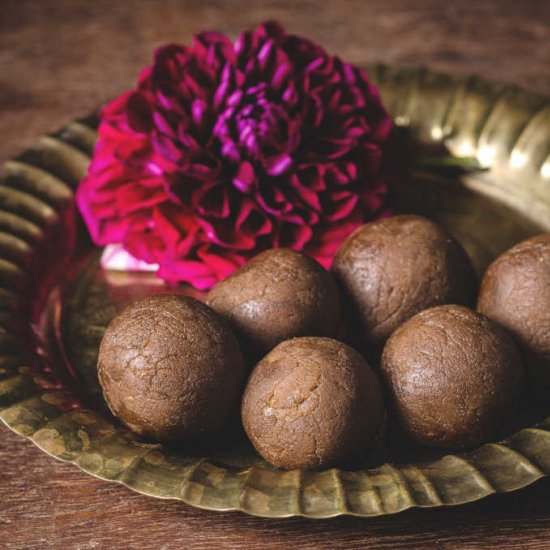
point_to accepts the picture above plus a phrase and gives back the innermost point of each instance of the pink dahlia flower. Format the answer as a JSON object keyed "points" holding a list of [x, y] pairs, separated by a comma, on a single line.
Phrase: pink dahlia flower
{"points": [[225, 149]]}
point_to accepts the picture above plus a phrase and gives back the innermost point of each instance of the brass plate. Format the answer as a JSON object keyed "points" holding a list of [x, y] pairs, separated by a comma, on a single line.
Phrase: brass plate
{"points": [[55, 303]]}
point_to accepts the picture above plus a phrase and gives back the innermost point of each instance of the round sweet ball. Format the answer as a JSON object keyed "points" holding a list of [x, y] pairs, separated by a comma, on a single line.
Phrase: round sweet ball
{"points": [[454, 376], [515, 292], [171, 369], [391, 269], [279, 294], [312, 402]]}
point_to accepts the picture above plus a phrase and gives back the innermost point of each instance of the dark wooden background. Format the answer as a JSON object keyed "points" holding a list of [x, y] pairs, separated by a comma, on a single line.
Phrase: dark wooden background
{"points": [[60, 59]]}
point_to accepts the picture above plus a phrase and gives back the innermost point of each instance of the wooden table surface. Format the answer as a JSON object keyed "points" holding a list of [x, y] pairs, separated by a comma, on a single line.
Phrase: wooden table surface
{"points": [[60, 59]]}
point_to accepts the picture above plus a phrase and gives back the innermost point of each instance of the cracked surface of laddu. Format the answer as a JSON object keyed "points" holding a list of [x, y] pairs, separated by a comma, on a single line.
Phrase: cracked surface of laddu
{"points": [[279, 294], [170, 368], [312, 402], [515, 292], [454, 376], [391, 269]]}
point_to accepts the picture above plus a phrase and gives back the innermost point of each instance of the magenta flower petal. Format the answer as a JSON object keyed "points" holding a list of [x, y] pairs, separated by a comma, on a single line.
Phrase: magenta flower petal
{"points": [[245, 179], [224, 149]]}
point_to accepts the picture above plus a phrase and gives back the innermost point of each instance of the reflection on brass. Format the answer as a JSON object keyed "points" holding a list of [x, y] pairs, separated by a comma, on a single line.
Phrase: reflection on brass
{"points": [[49, 340]]}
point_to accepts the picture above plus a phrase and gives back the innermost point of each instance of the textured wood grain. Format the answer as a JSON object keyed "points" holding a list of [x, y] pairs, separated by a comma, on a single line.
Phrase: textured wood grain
{"points": [[49, 504], [61, 59]]}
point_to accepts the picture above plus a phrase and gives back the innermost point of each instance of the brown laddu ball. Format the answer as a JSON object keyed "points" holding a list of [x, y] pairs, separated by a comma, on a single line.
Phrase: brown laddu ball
{"points": [[391, 269], [454, 377], [515, 292], [279, 294], [171, 369], [312, 402]]}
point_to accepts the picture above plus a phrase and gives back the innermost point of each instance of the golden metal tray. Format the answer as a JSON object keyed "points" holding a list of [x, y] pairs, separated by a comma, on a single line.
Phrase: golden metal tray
{"points": [[55, 303]]}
